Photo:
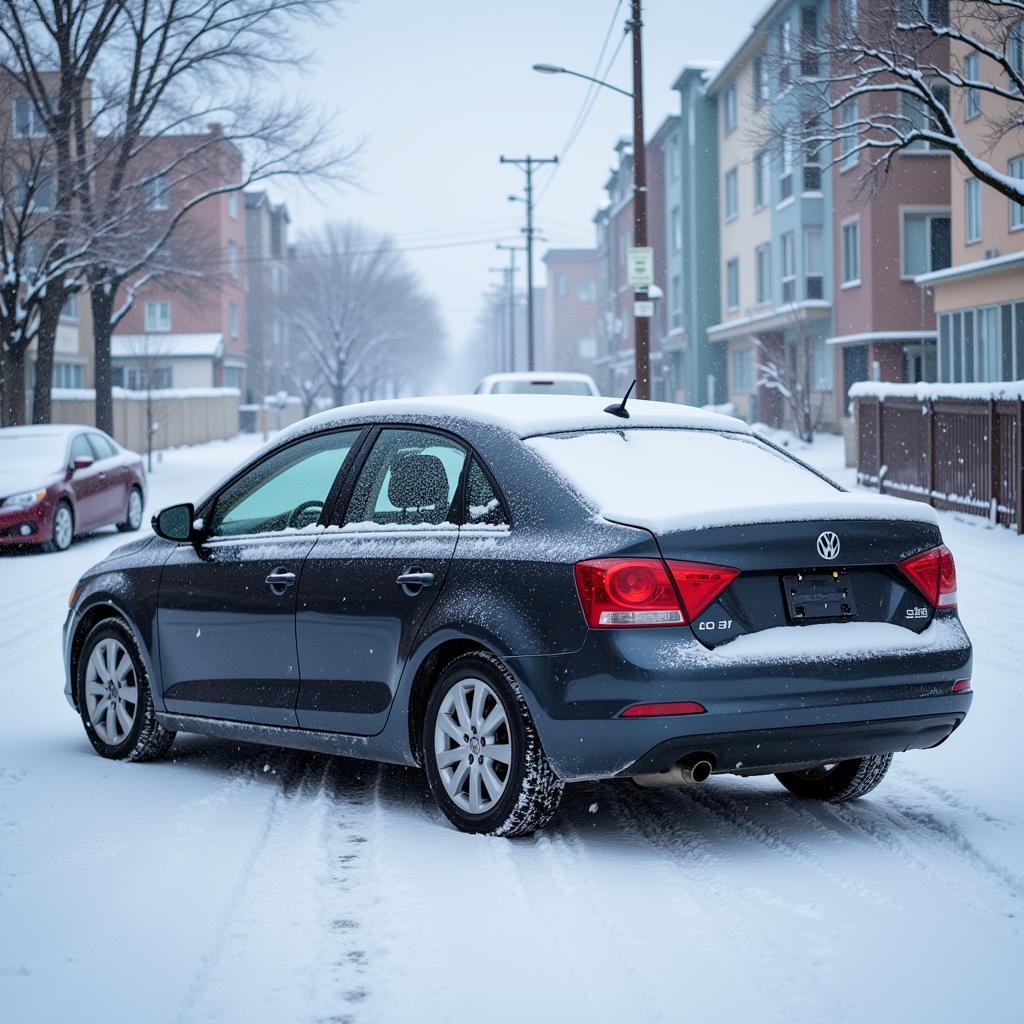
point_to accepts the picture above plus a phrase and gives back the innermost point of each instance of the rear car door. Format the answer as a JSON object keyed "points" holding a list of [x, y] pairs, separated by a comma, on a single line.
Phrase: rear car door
{"points": [[367, 587], [227, 605]]}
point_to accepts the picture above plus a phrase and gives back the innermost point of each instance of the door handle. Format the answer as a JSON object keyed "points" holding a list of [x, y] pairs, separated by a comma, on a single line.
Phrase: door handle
{"points": [[414, 581], [280, 580]]}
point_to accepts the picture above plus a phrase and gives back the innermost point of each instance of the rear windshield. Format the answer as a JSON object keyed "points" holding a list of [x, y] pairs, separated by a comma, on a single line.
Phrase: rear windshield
{"points": [[541, 387], [642, 475], [33, 452]]}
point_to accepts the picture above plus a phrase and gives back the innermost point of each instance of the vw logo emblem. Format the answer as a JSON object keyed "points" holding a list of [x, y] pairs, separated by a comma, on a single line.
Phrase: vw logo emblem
{"points": [[828, 545]]}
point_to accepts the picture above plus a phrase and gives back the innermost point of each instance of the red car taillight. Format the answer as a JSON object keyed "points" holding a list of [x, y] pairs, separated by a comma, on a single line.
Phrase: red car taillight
{"points": [[640, 591], [933, 572]]}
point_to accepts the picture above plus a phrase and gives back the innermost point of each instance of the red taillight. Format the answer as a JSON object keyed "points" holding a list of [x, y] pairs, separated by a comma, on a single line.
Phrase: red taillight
{"points": [[674, 707], [639, 592], [627, 592], [933, 572], [699, 584], [961, 686]]}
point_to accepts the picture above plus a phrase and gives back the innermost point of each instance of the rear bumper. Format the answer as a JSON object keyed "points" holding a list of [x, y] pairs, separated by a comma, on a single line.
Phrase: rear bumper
{"points": [[759, 715]]}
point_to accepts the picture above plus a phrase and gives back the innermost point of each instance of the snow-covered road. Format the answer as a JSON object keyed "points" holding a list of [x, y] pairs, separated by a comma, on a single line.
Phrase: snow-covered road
{"points": [[240, 883]]}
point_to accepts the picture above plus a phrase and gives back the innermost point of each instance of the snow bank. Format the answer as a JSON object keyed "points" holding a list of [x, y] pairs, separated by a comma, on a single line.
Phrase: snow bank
{"points": [[666, 480], [526, 415], [924, 392], [89, 395]]}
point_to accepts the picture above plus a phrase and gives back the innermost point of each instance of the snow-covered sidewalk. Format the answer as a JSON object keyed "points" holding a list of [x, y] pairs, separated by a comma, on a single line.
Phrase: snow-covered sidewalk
{"points": [[239, 883]]}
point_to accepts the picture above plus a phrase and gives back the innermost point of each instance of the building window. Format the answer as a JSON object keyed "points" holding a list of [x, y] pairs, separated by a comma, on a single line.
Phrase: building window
{"points": [[814, 263], [761, 95], [232, 377], [1015, 47], [68, 375], [69, 311], [786, 168], [35, 190], [922, 118], [585, 291], [232, 258], [988, 360], [848, 14], [822, 366], [972, 98], [233, 205], [761, 179], [676, 300], [672, 157], [763, 274], [849, 114], [788, 241], [809, 41], [926, 243], [741, 370], [27, 122], [785, 54], [729, 110], [563, 286], [158, 315], [233, 319], [677, 229], [731, 194], [1016, 209], [732, 284], [158, 193], [851, 252], [935, 12], [972, 204]]}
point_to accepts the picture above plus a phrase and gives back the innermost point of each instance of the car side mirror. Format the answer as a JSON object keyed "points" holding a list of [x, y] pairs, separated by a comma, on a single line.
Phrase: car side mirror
{"points": [[175, 523], [82, 462]]}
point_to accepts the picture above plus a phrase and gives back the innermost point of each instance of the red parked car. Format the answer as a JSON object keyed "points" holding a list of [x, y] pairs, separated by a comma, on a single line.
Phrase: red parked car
{"points": [[58, 481]]}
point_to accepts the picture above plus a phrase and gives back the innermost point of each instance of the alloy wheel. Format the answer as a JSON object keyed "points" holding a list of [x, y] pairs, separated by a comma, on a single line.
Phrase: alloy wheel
{"points": [[111, 691], [63, 525], [134, 509], [473, 745]]}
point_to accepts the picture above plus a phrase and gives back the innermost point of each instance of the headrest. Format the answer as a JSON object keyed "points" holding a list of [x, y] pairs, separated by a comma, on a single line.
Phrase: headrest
{"points": [[418, 481]]}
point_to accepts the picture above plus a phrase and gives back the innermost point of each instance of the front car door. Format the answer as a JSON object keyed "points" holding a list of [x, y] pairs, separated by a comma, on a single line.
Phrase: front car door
{"points": [[227, 605], [367, 587], [87, 485], [112, 495]]}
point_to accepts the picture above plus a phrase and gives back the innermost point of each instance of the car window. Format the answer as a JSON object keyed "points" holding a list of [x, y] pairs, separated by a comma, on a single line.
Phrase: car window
{"points": [[541, 387], [483, 506], [411, 476], [101, 447], [80, 449], [285, 491]]}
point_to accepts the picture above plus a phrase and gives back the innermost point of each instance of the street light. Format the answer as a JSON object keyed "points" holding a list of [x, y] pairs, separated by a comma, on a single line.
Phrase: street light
{"points": [[642, 324]]}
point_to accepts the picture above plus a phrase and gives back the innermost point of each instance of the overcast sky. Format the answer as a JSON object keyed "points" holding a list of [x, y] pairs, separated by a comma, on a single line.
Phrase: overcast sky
{"points": [[441, 88]]}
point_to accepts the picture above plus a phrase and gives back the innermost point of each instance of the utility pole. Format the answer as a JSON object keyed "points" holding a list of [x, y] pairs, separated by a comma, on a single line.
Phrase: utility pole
{"points": [[641, 324], [511, 271], [502, 329], [528, 164]]}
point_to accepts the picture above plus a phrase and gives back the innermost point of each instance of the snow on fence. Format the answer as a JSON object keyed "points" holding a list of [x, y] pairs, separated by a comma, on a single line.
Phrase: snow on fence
{"points": [[180, 415], [955, 446]]}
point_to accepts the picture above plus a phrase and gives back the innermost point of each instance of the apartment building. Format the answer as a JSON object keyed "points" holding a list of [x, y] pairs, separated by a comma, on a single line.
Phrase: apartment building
{"points": [[188, 329], [266, 248], [570, 310], [979, 298]]}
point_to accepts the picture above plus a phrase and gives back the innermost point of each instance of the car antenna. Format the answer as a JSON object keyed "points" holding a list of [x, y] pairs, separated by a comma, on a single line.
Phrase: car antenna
{"points": [[619, 408]]}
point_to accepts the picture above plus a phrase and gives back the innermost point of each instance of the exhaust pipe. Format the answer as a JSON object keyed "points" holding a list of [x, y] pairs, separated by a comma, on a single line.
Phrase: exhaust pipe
{"points": [[688, 772]]}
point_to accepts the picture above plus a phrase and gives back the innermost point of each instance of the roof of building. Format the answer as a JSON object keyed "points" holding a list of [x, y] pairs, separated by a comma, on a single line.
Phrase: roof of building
{"points": [[569, 255], [171, 346], [746, 47], [992, 265]]}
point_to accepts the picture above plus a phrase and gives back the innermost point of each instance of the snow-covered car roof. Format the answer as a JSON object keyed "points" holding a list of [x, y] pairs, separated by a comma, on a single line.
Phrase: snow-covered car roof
{"points": [[524, 415], [46, 429]]}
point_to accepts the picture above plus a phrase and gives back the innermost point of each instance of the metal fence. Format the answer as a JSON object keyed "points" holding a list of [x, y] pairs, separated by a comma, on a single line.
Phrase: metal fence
{"points": [[958, 454]]}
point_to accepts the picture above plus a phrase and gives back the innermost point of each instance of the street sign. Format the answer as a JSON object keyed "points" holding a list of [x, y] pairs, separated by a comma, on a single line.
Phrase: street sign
{"points": [[643, 307], [639, 266]]}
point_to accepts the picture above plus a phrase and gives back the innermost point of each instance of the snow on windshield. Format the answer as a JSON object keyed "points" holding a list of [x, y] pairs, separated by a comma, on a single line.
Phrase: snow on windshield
{"points": [[32, 452], [691, 479]]}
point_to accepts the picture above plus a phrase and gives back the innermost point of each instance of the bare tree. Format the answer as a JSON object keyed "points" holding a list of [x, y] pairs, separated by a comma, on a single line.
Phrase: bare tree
{"points": [[147, 371], [360, 312], [885, 76]]}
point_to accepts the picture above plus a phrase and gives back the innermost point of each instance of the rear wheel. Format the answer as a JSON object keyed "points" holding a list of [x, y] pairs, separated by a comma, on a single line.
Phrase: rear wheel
{"points": [[133, 514], [838, 781], [114, 698], [63, 528], [484, 760]]}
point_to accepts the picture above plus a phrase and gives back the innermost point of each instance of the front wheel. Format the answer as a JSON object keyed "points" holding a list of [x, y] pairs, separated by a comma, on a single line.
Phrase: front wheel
{"points": [[63, 528], [839, 781], [484, 760], [114, 698]]}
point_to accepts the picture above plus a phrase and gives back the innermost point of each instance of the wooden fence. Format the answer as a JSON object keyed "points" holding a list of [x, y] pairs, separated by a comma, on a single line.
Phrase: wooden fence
{"points": [[960, 454]]}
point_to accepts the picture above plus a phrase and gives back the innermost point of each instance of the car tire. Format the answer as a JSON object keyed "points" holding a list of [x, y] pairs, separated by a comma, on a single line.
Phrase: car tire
{"points": [[133, 513], [512, 794], [63, 528], [844, 780], [114, 697]]}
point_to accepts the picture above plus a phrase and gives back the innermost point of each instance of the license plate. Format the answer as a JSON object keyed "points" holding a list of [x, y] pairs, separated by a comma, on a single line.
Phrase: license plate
{"points": [[819, 596]]}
